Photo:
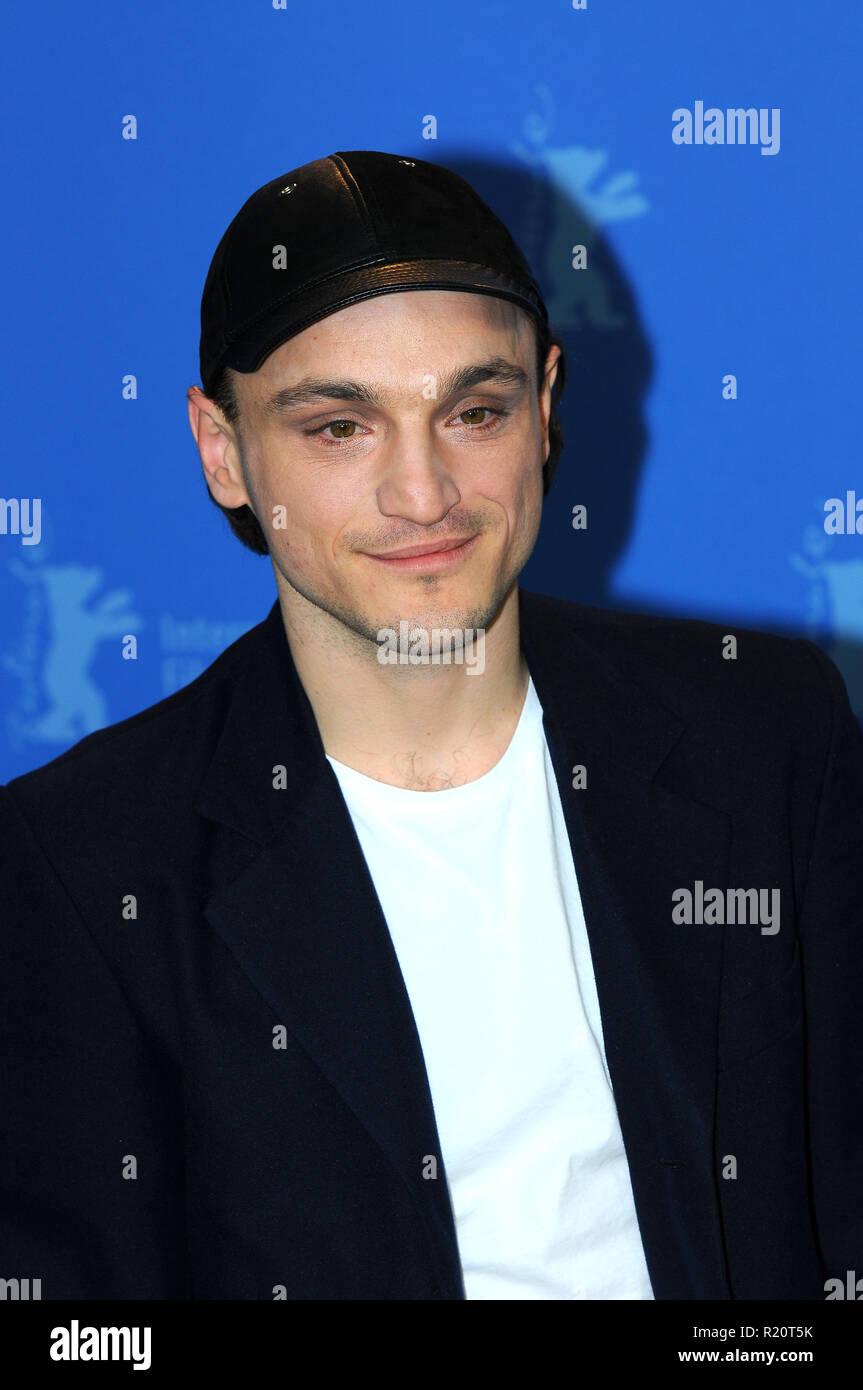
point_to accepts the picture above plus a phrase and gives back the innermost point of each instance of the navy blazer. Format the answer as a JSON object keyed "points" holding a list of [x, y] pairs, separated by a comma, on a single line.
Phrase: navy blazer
{"points": [[212, 1082]]}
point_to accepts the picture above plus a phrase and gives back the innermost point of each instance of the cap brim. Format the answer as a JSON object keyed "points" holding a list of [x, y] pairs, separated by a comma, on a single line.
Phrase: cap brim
{"points": [[256, 340]]}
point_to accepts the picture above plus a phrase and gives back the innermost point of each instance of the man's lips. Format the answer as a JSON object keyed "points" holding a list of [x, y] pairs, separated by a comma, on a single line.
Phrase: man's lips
{"points": [[424, 548], [424, 555]]}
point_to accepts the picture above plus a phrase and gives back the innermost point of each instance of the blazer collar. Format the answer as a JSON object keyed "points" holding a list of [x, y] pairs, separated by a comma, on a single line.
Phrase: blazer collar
{"points": [[269, 723]]}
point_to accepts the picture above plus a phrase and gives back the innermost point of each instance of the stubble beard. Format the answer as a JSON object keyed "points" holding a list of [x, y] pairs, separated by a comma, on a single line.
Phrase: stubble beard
{"points": [[351, 627]]}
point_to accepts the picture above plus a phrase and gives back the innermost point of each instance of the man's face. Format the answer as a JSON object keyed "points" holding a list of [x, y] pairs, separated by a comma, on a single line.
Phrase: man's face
{"points": [[341, 484]]}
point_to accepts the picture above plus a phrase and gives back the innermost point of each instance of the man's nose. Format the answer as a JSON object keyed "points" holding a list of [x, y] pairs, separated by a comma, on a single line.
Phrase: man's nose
{"points": [[416, 482]]}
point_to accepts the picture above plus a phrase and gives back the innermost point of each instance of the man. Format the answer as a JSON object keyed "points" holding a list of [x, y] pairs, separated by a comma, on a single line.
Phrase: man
{"points": [[441, 940]]}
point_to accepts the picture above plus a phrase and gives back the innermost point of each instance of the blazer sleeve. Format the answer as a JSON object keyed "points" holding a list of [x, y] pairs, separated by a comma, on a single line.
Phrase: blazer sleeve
{"points": [[91, 1174], [831, 937]]}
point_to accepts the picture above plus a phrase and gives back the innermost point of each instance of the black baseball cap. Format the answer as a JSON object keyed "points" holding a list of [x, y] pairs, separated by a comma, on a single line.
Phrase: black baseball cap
{"points": [[352, 225]]}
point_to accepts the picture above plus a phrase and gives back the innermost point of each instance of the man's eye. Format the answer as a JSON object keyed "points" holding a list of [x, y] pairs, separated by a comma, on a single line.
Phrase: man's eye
{"points": [[338, 426], [334, 424], [481, 424]]}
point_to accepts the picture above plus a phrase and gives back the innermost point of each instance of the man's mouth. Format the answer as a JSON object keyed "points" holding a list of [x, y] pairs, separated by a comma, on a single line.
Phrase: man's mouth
{"points": [[425, 554]]}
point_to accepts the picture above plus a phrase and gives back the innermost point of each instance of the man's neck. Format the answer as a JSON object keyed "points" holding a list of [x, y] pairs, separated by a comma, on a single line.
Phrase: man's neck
{"points": [[424, 727]]}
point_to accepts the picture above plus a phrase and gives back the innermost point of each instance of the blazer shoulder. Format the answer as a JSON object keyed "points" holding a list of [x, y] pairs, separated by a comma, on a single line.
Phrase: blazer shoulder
{"points": [[696, 664]]}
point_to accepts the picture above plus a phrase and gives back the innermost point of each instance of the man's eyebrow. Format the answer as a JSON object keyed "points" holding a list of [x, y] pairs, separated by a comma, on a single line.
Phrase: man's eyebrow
{"points": [[461, 379]]}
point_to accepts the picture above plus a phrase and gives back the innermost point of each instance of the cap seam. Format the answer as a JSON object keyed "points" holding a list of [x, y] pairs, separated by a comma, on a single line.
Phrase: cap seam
{"points": [[358, 197], [374, 208], [230, 234]]}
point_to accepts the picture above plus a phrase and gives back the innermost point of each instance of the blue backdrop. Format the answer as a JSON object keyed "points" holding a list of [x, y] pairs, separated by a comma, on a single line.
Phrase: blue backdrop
{"points": [[713, 339]]}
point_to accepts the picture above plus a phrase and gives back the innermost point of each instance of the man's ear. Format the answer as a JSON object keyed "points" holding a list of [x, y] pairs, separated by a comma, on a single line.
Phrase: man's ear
{"points": [[217, 445], [549, 375]]}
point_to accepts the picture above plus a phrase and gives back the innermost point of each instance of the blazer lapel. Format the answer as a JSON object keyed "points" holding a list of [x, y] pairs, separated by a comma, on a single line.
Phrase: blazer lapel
{"points": [[636, 837], [293, 899]]}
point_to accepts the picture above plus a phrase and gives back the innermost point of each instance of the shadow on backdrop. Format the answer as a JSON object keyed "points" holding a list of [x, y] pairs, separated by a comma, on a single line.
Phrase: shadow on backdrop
{"points": [[610, 365], [609, 370]]}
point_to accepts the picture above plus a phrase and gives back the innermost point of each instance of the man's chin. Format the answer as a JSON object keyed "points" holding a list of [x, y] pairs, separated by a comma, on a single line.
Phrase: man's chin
{"points": [[474, 612]]}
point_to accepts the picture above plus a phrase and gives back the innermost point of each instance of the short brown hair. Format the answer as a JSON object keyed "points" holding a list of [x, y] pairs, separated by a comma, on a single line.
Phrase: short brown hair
{"points": [[245, 524]]}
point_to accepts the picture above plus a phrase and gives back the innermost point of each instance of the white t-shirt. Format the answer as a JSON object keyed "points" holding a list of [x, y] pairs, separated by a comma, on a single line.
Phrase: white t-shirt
{"points": [[479, 891]]}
